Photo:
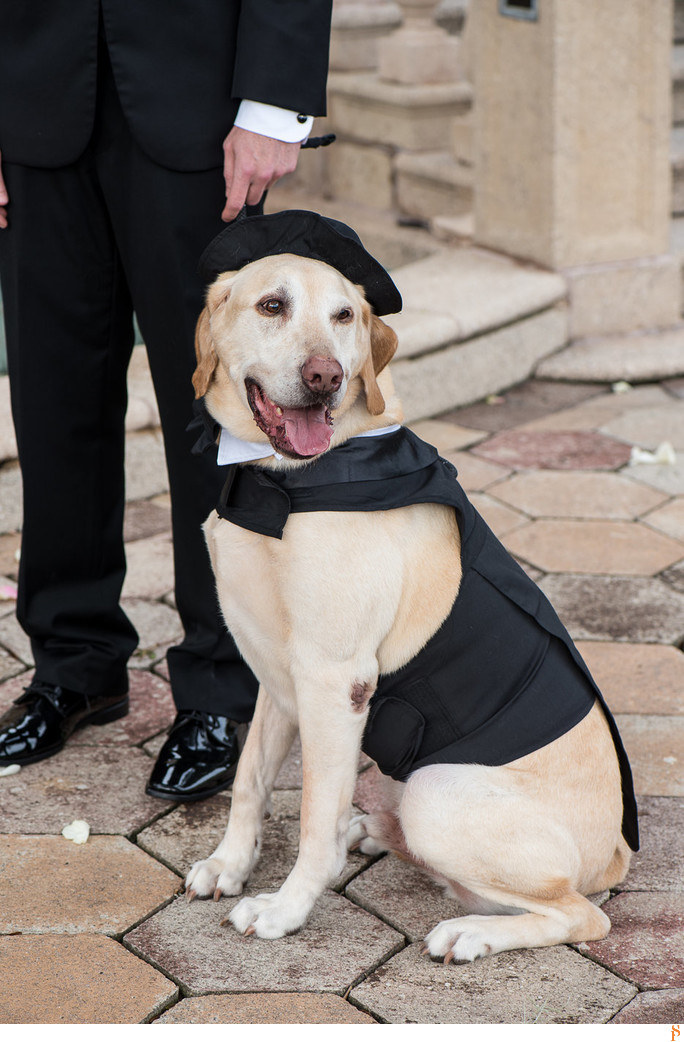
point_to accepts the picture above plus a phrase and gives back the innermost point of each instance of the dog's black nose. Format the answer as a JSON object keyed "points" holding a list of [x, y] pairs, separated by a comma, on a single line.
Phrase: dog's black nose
{"points": [[322, 375]]}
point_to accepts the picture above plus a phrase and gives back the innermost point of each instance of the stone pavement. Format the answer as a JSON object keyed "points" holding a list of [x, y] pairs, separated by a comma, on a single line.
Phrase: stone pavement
{"points": [[99, 932]]}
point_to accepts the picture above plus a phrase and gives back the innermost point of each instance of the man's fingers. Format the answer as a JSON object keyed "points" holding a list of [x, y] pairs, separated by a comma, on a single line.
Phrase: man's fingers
{"points": [[236, 194], [252, 164]]}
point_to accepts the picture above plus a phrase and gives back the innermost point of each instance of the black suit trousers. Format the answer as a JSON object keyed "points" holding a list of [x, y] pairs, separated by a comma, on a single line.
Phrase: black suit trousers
{"points": [[87, 244]]}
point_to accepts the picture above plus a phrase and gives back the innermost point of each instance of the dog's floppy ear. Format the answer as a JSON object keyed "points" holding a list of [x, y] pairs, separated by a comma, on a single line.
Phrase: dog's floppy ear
{"points": [[207, 359], [383, 345]]}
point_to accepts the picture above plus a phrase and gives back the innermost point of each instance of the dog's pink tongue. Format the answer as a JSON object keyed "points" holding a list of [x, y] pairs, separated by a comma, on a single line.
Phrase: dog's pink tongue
{"points": [[307, 430]]}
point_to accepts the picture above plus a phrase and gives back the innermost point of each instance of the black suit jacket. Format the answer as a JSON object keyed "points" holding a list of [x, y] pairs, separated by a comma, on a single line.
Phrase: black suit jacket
{"points": [[181, 68]]}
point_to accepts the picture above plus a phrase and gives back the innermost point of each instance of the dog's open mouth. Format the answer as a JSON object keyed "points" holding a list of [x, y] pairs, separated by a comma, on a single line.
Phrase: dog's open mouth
{"points": [[301, 433]]}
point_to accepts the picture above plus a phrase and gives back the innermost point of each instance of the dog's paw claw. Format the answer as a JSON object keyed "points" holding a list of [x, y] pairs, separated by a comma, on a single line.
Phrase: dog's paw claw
{"points": [[462, 940], [218, 893], [190, 895], [250, 930]]}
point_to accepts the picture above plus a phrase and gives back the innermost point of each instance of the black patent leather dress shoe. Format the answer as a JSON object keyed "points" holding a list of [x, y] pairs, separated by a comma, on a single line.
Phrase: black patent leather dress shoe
{"points": [[198, 759], [40, 721]]}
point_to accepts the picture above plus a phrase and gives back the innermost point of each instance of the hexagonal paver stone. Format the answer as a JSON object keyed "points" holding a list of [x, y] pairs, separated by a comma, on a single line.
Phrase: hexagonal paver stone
{"points": [[338, 943], [593, 413], [616, 608], [10, 498], [666, 477], [145, 518], [674, 577], [655, 746], [474, 474], [14, 640], [637, 678], [554, 450], [86, 979], [104, 785], [188, 833], [157, 624], [403, 896], [193, 830], [544, 986], [446, 436], [648, 428], [149, 567], [653, 1007], [501, 519], [104, 885], [594, 547], [146, 473], [552, 493], [10, 545], [263, 1008], [371, 790], [659, 865], [524, 403], [646, 940], [669, 518], [10, 666]]}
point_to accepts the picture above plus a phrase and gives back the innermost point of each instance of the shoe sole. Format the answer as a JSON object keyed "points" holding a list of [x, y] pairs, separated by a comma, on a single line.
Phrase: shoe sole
{"points": [[102, 716], [195, 797]]}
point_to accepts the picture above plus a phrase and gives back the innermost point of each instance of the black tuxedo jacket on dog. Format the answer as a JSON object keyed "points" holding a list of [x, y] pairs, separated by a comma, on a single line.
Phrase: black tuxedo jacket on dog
{"points": [[206, 55], [501, 677]]}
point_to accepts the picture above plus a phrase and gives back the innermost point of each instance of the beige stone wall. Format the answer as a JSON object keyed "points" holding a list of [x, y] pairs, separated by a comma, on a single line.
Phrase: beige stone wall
{"points": [[572, 130]]}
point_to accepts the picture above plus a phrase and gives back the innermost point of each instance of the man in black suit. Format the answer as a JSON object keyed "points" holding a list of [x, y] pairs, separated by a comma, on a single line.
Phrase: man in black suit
{"points": [[128, 132]]}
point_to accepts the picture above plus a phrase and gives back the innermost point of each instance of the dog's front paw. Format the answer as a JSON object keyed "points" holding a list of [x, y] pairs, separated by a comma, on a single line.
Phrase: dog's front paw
{"points": [[212, 878], [268, 915], [461, 940]]}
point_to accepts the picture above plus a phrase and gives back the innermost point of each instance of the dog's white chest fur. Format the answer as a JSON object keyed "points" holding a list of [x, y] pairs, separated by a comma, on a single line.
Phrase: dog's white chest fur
{"points": [[338, 587]]}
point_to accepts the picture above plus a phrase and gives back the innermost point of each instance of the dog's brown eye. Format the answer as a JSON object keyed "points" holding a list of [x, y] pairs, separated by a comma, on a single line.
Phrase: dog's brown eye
{"points": [[345, 315], [272, 306]]}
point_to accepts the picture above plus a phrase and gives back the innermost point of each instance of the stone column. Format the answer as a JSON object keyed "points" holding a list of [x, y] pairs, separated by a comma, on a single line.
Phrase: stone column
{"points": [[572, 150], [419, 51], [404, 108], [357, 27]]}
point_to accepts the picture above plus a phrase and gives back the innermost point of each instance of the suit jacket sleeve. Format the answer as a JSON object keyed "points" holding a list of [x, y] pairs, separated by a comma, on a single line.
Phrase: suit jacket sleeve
{"points": [[282, 53]]}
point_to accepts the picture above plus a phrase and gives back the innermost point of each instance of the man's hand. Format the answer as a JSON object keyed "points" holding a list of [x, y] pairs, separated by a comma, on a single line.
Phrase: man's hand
{"points": [[252, 164], [4, 198]]}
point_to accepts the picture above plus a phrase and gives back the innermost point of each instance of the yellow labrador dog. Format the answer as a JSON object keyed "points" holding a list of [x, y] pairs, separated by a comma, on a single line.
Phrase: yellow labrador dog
{"points": [[333, 587]]}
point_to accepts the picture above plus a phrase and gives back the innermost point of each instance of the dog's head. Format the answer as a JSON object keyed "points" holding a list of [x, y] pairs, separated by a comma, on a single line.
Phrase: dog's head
{"points": [[289, 343]]}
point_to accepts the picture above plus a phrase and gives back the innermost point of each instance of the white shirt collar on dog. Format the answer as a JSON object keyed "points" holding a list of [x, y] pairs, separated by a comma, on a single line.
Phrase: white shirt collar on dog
{"points": [[234, 450]]}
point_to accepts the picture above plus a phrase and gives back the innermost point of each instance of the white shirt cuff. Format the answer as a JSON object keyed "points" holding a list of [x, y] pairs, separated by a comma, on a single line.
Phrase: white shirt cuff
{"points": [[271, 121]]}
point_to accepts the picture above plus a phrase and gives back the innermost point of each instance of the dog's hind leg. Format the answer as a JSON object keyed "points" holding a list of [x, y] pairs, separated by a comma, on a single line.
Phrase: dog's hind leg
{"points": [[509, 856], [268, 742], [376, 833], [380, 830], [570, 918]]}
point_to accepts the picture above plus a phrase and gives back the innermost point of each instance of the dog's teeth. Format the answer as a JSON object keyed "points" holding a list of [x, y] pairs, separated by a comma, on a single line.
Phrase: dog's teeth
{"points": [[279, 411], [218, 893]]}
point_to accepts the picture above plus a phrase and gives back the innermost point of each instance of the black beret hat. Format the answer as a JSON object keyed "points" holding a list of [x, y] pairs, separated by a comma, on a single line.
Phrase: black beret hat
{"points": [[305, 234]]}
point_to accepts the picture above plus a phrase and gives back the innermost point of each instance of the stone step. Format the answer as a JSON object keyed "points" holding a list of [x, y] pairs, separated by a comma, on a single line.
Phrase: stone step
{"points": [[635, 358], [473, 324], [433, 184]]}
